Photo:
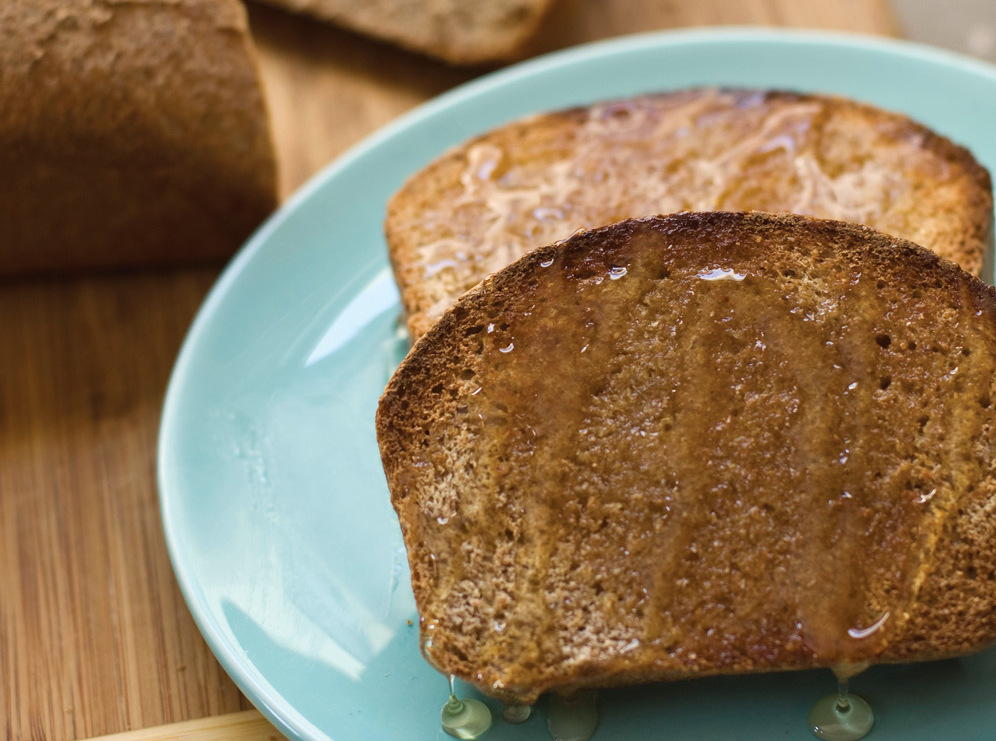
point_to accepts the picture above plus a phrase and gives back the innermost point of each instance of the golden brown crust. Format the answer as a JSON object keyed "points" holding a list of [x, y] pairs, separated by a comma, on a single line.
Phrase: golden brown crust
{"points": [[689, 150], [134, 134], [865, 373]]}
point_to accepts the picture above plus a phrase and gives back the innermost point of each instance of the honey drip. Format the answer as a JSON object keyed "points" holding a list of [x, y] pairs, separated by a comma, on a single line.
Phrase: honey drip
{"points": [[841, 716], [465, 719]]}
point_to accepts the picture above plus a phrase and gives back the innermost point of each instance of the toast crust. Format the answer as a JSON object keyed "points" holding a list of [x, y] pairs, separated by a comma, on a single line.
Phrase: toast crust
{"points": [[708, 443], [533, 181]]}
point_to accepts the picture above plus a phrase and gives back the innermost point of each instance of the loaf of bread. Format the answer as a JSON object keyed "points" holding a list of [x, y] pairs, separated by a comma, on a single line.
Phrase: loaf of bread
{"points": [[484, 204], [457, 31], [133, 133], [707, 443]]}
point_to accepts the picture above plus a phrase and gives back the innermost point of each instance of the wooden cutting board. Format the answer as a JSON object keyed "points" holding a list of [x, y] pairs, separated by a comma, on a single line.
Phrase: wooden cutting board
{"points": [[94, 636]]}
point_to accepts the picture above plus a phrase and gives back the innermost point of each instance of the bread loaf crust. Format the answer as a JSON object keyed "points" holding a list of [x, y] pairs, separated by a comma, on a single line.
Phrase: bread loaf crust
{"points": [[462, 33], [533, 181], [933, 591], [133, 133]]}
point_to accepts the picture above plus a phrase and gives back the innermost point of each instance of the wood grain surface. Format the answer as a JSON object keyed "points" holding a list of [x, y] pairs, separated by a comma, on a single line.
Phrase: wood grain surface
{"points": [[94, 636]]}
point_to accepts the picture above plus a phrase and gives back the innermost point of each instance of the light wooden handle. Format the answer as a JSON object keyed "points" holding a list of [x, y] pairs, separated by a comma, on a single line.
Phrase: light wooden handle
{"points": [[245, 726]]}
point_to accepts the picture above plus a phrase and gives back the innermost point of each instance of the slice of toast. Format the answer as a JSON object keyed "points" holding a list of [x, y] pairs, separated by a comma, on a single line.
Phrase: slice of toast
{"points": [[537, 180], [708, 443], [457, 31]]}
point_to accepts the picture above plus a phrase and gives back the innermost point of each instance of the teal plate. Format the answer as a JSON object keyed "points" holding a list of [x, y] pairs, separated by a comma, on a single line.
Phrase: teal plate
{"points": [[274, 504]]}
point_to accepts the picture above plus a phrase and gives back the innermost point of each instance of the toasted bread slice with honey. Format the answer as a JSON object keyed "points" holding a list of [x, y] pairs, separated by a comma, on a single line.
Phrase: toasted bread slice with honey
{"points": [[709, 443], [537, 180]]}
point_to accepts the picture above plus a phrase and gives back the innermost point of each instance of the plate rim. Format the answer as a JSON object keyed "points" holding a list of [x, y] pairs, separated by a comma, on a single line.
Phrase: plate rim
{"points": [[274, 706]]}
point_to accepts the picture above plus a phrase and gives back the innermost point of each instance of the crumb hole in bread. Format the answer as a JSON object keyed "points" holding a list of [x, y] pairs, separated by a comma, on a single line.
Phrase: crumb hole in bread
{"points": [[664, 274], [788, 273], [985, 402], [911, 345], [476, 329], [462, 409], [880, 284], [971, 572], [966, 351], [437, 389], [922, 422], [883, 340], [466, 374], [884, 382]]}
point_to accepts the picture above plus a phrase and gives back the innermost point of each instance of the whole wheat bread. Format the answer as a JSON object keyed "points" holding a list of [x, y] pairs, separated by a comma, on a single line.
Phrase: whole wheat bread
{"points": [[531, 182], [134, 133], [457, 31], [701, 444]]}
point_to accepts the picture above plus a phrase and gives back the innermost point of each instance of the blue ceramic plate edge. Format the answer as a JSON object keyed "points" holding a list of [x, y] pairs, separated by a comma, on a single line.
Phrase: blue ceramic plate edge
{"points": [[259, 692]]}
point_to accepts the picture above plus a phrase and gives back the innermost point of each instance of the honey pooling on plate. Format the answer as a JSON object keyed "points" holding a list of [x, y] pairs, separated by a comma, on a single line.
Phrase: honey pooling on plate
{"points": [[512, 713], [467, 718], [573, 718], [841, 716]]}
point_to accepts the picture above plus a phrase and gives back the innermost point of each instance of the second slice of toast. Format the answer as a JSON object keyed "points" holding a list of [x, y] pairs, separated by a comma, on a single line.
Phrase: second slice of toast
{"points": [[534, 181]]}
